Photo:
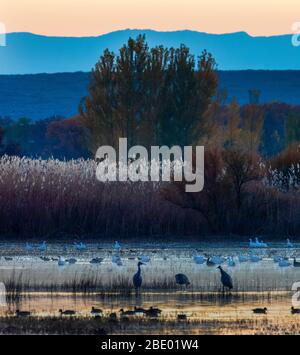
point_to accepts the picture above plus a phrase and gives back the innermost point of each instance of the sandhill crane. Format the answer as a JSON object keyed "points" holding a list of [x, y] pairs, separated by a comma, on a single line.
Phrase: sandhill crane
{"points": [[182, 280], [137, 278], [225, 279]]}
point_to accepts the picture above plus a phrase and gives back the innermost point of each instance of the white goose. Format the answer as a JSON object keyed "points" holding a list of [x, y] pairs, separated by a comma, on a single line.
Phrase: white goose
{"points": [[284, 263], [61, 261], [117, 246], [199, 259], [231, 262]]}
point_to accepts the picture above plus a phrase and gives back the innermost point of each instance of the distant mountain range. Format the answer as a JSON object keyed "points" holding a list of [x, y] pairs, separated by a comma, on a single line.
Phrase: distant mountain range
{"points": [[28, 53]]}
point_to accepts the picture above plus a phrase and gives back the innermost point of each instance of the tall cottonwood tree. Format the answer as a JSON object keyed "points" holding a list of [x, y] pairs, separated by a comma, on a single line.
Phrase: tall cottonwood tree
{"points": [[150, 96]]}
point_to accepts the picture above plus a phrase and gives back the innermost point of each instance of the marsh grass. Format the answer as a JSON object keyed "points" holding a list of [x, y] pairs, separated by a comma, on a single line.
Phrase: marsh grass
{"points": [[104, 326]]}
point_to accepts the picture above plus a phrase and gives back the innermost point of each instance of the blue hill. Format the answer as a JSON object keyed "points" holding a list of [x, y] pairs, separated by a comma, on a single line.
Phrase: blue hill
{"points": [[28, 53], [44, 95]]}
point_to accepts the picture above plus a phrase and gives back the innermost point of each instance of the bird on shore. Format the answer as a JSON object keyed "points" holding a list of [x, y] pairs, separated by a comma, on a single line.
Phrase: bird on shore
{"points": [[260, 310], [137, 278], [22, 313], [67, 312], [182, 280], [295, 310], [226, 279]]}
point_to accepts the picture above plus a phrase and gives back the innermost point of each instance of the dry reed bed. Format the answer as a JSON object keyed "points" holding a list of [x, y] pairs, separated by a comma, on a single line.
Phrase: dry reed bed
{"points": [[51, 198]]}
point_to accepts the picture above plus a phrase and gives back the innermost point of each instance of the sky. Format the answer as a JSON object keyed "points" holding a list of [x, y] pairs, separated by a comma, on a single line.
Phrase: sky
{"points": [[95, 17]]}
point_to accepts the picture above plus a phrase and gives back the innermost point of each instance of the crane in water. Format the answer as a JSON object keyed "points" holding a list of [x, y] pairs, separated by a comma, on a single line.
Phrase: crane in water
{"points": [[182, 280], [137, 278], [225, 279]]}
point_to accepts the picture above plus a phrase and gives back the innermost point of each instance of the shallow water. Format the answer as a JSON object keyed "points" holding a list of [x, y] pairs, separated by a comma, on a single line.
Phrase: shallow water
{"points": [[262, 284]]}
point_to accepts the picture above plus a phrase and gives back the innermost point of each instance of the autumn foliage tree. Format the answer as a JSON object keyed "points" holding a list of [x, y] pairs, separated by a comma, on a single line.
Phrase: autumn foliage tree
{"points": [[151, 96]]}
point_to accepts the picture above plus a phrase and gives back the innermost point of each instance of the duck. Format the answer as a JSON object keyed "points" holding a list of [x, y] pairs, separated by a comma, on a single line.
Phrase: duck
{"points": [[96, 311], [112, 317], [22, 313], [127, 313], [139, 310], [153, 312], [295, 310], [181, 317], [68, 312], [260, 310], [8, 258]]}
